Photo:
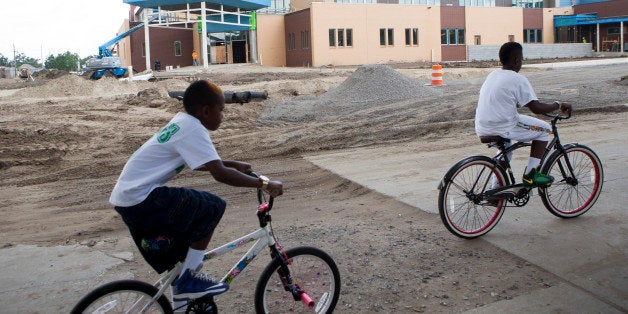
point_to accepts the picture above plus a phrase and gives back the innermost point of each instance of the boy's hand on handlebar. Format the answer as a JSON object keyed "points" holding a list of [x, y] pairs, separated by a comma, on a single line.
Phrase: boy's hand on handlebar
{"points": [[564, 107], [275, 188]]}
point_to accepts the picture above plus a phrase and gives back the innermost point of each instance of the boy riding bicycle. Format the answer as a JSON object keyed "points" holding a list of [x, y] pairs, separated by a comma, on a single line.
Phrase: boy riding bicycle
{"points": [[170, 223], [502, 93]]}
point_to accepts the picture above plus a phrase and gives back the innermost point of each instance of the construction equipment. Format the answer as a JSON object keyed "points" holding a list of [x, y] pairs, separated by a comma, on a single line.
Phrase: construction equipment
{"points": [[230, 97], [106, 62]]}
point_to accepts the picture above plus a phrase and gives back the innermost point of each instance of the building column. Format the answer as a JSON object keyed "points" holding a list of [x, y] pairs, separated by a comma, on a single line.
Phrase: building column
{"points": [[597, 35], [621, 36], [146, 40], [204, 35], [253, 45]]}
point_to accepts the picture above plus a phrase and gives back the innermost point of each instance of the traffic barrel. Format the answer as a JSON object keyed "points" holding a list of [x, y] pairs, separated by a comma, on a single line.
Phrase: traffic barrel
{"points": [[437, 75]]}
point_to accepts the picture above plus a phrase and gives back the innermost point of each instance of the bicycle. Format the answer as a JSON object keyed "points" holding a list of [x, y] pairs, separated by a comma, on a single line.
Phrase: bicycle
{"points": [[475, 191], [304, 275]]}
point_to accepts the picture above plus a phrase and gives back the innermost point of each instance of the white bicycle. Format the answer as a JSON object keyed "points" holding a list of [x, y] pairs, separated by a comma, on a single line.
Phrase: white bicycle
{"points": [[301, 279]]}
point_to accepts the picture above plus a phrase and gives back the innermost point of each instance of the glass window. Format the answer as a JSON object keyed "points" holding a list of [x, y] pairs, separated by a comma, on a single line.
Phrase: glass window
{"points": [[391, 36], [415, 36], [382, 36], [332, 37], [349, 37], [460, 39], [443, 36], [452, 37], [177, 48], [341, 37], [408, 37]]}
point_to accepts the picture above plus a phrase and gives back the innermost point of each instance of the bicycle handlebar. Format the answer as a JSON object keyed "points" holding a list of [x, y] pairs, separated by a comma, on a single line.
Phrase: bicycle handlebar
{"points": [[260, 192], [558, 116]]}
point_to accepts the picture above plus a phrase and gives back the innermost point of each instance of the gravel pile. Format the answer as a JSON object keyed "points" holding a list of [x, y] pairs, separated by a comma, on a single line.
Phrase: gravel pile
{"points": [[368, 86]]}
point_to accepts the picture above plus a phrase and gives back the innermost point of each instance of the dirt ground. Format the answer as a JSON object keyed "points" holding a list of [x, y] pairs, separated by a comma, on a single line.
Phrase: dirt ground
{"points": [[64, 140]]}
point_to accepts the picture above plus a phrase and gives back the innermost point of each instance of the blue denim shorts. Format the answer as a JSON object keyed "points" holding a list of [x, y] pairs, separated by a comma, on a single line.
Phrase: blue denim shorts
{"points": [[180, 214]]}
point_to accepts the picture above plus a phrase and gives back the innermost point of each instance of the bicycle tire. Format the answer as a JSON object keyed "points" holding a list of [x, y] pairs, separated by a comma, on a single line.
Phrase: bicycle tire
{"points": [[569, 199], [463, 216], [117, 295], [312, 270]]}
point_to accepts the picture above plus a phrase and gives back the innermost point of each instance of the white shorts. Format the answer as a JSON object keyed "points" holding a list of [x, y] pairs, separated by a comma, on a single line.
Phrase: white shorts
{"points": [[529, 129]]}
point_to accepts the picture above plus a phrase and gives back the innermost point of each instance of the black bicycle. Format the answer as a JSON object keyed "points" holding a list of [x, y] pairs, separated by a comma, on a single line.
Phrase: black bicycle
{"points": [[476, 190]]}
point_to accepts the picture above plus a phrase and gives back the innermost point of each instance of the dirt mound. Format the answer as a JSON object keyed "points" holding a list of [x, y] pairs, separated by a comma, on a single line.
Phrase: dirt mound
{"points": [[367, 87], [50, 74], [75, 86]]}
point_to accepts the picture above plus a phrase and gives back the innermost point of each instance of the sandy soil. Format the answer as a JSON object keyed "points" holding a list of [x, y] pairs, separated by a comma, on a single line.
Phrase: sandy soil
{"points": [[65, 139]]}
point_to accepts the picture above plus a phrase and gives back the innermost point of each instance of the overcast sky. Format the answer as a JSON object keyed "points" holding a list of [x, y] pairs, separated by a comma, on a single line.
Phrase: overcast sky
{"points": [[45, 27]]}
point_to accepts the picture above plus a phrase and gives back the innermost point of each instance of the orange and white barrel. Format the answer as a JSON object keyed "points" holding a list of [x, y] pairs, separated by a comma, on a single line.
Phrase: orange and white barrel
{"points": [[437, 75]]}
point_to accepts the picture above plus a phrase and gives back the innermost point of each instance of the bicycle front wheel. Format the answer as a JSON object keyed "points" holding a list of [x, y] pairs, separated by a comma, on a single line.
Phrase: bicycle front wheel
{"points": [[572, 193], [462, 204], [312, 270], [124, 296]]}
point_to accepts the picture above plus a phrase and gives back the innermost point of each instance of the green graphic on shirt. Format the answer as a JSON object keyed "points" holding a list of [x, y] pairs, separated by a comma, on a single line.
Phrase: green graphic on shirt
{"points": [[179, 169], [166, 133]]}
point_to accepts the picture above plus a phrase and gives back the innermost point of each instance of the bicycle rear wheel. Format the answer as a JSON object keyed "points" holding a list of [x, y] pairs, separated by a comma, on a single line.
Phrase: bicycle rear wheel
{"points": [[461, 203], [572, 195], [312, 270], [124, 296]]}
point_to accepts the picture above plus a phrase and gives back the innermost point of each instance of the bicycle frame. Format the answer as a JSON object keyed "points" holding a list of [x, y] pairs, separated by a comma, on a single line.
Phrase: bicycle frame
{"points": [[502, 157]]}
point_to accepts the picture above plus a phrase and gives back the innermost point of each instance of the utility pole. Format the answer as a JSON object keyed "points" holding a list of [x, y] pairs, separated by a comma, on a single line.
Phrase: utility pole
{"points": [[14, 62]]}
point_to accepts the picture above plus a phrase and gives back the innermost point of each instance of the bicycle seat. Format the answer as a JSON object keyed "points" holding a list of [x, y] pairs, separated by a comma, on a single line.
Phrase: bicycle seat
{"points": [[493, 139]]}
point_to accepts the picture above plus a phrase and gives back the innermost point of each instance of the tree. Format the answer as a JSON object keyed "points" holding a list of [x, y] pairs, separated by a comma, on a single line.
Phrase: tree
{"points": [[66, 61], [4, 61], [21, 58]]}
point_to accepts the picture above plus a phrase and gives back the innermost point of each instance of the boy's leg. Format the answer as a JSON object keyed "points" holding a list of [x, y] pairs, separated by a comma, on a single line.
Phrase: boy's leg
{"points": [[196, 215], [537, 131]]}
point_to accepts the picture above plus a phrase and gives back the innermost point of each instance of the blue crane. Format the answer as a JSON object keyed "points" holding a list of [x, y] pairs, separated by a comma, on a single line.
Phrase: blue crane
{"points": [[105, 62]]}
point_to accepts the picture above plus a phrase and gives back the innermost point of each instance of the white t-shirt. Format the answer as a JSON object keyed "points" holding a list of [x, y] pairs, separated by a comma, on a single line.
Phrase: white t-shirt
{"points": [[184, 141], [500, 96]]}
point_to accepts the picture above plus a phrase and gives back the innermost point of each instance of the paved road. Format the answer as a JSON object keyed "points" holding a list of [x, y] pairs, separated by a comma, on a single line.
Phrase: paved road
{"points": [[589, 253]]}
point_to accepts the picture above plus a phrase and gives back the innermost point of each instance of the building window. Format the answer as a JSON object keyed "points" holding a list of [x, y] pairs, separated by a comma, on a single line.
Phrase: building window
{"points": [[412, 36], [291, 41], [477, 39], [341, 37], [415, 36], [332, 37], [144, 50], [305, 40], [527, 3], [349, 37], [452, 36], [391, 36], [382, 37], [532, 36], [177, 48]]}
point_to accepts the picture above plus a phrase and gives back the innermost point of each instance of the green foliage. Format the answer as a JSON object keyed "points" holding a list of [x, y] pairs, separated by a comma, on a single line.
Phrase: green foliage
{"points": [[66, 61], [21, 58], [4, 61]]}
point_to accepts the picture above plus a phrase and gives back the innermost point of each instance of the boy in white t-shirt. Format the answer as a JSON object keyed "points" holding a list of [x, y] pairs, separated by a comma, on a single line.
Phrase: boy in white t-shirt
{"points": [[171, 224], [502, 93]]}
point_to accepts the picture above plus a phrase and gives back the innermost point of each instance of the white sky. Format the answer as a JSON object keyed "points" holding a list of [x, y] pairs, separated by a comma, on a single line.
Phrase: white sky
{"points": [[45, 27]]}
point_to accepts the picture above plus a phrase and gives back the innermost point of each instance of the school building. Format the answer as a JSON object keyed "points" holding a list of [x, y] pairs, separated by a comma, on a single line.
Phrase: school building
{"points": [[302, 33]]}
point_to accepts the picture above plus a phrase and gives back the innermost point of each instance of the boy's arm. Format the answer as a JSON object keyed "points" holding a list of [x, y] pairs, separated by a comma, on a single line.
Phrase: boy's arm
{"points": [[226, 172], [539, 108], [237, 165]]}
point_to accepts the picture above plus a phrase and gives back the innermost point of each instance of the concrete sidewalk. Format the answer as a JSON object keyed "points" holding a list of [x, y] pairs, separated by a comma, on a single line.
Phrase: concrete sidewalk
{"points": [[589, 253]]}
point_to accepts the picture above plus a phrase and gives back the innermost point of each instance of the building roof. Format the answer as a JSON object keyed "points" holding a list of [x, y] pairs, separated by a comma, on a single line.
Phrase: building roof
{"points": [[585, 19], [195, 4]]}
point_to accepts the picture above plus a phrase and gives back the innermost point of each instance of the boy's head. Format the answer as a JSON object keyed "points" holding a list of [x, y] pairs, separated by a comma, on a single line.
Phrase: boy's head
{"points": [[205, 101], [511, 56]]}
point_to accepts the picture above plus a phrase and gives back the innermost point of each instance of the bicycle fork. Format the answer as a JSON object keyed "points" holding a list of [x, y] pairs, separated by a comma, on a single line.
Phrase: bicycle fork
{"points": [[286, 278]]}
